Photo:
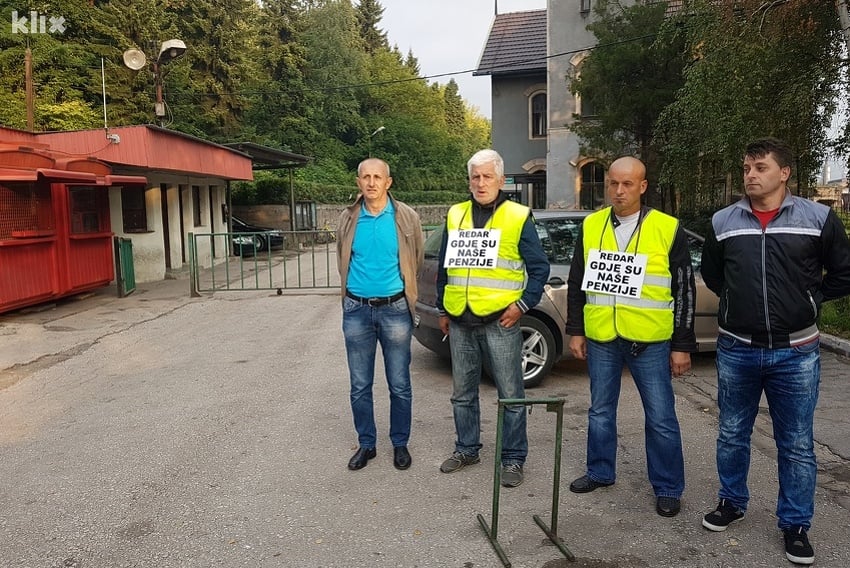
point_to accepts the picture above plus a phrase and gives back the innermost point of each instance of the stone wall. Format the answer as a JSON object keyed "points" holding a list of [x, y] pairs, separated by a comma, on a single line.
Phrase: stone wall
{"points": [[277, 216]]}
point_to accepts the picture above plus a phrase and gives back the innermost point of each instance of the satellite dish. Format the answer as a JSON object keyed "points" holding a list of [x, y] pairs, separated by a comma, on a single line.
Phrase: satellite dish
{"points": [[134, 59]]}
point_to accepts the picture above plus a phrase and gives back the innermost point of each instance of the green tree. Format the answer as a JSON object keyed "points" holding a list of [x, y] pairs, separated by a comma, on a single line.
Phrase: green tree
{"points": [[454, 107], [628, 79], [337, 64], [757, 68], [279, 112], [133, 24], [218, 34], [369, 14], [65, 69]]}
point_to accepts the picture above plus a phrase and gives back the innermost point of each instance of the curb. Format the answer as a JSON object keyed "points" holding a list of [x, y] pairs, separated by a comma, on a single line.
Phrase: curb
{"points": [[835, 344]]}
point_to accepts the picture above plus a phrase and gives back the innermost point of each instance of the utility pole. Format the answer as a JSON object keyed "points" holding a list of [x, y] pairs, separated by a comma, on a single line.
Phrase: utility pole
{"points": [[29, 89]]}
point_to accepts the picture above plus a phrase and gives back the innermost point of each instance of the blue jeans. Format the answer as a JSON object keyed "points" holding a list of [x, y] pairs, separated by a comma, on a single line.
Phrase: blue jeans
{"points": [[363, 327], [501, 347], [790, 380], [650, 369]]}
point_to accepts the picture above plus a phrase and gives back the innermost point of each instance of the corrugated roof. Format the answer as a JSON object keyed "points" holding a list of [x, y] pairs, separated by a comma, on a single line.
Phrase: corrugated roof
{"points": [[154, 148], [517, 44]]}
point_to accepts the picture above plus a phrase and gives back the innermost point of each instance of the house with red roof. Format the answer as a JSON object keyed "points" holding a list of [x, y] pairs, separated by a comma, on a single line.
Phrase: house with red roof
{"points": [[65, 195]]}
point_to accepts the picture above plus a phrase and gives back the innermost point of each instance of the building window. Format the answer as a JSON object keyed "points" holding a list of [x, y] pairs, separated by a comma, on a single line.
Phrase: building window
{"points": [[586, 109], [196, 205], [585, 6], [538, 115], [133, 210], [592, 186], [26, 210], [87, 208]]}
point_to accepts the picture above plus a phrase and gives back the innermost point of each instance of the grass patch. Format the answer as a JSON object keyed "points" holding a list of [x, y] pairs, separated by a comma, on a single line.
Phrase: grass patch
{"points": [[835, 317]]}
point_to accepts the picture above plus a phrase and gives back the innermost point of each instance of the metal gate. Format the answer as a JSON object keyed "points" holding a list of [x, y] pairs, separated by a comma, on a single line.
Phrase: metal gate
{"points": [[275, 260], [125, 273]]}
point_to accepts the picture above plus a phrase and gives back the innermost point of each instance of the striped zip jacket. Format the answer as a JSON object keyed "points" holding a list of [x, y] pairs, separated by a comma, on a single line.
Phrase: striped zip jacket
{"points": [[771, 283]]}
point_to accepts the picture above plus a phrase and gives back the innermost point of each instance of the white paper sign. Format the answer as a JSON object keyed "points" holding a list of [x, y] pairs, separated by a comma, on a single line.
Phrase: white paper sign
{"points": [[473, 248], [615, 273]]}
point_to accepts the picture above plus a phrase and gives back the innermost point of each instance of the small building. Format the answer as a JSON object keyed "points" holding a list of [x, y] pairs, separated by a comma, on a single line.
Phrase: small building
{"points": [[63, 195], [55, 230]]}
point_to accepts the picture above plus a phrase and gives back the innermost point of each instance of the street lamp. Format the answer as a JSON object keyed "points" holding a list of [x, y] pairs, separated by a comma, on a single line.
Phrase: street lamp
{"points": [[379, 129], [169, 50]]}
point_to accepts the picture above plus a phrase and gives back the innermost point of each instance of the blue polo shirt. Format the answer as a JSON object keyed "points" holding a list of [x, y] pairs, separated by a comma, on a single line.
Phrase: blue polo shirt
{"points": [[374, 270]]}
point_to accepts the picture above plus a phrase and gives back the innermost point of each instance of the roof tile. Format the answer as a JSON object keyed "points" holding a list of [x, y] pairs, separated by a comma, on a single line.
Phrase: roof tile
{"points": [[517, 43]]}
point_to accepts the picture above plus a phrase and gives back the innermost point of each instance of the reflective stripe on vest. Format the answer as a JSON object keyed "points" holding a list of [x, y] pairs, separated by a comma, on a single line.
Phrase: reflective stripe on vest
{"points": [[487, 290], [650, 317]]}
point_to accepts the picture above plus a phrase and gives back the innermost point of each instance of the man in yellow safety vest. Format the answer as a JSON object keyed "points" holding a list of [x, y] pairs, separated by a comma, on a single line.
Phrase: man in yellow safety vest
{"points": [[492, 270], [630, 303]]}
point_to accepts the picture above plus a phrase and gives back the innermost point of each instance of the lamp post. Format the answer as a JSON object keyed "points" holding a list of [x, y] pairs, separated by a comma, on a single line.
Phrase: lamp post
{"points": [[168, 51], [379, 129]]}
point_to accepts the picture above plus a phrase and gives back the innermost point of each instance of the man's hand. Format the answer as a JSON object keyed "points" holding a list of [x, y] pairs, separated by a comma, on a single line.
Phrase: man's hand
{"points": [[680, 363], [578, 346], [510, 316], [444, 324]]}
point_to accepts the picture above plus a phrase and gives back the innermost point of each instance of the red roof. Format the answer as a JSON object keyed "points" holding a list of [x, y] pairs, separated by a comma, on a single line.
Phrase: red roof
{"points": [[152, 148]]}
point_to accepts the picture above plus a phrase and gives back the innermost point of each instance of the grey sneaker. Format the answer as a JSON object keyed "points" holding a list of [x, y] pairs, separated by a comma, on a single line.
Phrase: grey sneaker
{"points": [[457, 461], [511, 475]]}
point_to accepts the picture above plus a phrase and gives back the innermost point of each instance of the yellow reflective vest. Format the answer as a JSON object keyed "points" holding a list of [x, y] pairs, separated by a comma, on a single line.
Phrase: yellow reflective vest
{"points": [[646, 319], [488, 290]]}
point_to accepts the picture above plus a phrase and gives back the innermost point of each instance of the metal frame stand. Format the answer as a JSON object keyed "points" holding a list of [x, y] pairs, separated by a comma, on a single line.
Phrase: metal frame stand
{"points": [[552, 405]]}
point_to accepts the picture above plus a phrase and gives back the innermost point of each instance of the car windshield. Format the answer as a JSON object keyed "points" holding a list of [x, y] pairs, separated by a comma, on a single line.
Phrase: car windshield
{"points": [[558, 237]]}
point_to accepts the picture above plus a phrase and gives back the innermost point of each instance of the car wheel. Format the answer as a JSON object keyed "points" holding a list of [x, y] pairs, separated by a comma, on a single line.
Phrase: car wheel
{"points": [[538, 351], [261, 243]]}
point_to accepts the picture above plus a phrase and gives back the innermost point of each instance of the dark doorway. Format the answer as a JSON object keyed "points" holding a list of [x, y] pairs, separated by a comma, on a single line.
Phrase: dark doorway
{"points": [[166, 238]]}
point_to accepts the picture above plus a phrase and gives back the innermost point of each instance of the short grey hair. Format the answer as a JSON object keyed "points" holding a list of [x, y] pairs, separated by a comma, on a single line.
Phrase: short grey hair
{"points": [[386, 165], [487, 156]]}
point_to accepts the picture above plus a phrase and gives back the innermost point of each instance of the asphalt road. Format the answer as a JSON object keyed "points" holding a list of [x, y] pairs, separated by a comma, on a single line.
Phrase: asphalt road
{"points": [[167, 432]]}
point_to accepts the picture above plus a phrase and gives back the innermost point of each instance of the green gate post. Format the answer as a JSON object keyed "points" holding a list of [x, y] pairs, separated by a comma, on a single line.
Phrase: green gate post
{"points": [[194, 273]]}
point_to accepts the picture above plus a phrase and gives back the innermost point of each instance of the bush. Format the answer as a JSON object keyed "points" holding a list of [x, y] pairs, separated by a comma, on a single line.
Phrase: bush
{"points": [[835, 317]]}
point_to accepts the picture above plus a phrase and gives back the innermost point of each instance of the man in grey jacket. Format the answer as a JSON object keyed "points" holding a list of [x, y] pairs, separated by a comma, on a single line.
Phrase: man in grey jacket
{"points": [[379, 254], [772, 258]]}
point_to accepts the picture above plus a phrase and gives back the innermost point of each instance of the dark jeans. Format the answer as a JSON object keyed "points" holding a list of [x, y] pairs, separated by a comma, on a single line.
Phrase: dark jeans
{"points": [[364, 327]]}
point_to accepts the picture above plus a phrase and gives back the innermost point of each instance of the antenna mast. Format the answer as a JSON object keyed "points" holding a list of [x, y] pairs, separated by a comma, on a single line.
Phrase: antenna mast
{"points": [[114, 138]]}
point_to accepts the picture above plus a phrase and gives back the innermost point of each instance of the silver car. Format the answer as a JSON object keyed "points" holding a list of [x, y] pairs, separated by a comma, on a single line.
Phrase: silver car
{"points": [[543, 327]]}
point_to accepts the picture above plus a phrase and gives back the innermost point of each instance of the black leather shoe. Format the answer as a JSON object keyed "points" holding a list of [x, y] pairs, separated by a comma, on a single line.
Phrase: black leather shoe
{"points": [[401, 457], [585, 485], [667, 506], [361, 457]]}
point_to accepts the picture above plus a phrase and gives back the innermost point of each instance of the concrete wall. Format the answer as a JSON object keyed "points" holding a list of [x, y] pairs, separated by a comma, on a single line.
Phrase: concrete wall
{"points": [[511, 129], [149, 252], [277, 216], [567, 34]]}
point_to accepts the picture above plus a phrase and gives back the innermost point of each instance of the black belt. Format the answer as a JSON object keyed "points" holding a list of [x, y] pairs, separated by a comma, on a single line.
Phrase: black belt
{"points": [[375, 302]]}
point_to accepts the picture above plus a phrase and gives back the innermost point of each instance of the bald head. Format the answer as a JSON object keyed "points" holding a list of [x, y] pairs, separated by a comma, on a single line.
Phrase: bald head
{"points": [[626, 183], [375, 162], [628, 164]]}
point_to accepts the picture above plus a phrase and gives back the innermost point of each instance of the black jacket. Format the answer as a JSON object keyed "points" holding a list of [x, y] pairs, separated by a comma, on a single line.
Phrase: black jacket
{"points": [[771, 283]]}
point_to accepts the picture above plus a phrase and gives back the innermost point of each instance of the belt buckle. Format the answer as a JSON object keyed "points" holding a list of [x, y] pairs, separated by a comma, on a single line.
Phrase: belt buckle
{"points": [[374, 302]]}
